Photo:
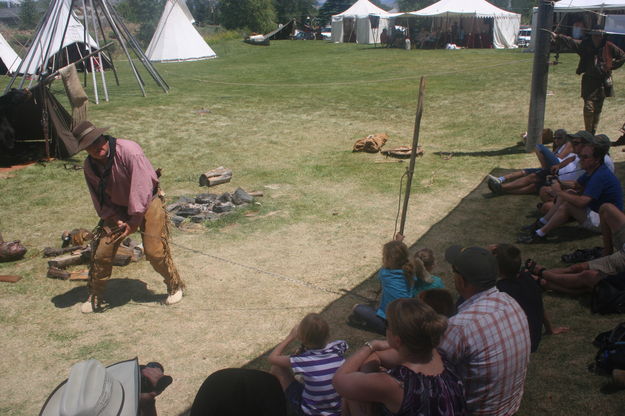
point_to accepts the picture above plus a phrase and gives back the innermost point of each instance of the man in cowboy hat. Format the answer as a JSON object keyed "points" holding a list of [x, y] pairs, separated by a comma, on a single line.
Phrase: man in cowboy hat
{"points": [[125, 194], [597, 58]]}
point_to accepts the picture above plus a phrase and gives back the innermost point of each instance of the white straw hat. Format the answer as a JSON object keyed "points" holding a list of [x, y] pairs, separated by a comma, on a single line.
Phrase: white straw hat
{"points": [[93, 390]]}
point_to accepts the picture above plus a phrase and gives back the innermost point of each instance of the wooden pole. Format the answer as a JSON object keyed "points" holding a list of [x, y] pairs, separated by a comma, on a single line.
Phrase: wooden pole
{"points": [[413, 154], [540, 75]]}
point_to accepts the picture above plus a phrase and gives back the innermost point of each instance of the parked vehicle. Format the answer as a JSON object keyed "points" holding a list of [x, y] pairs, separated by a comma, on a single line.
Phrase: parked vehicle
{"points": [[525, 37], [326, 33]]}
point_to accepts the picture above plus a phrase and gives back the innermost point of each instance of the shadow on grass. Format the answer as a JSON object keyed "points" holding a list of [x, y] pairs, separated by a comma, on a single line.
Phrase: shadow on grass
{"points": [[119, 292], [510, 150], [558, 381]]}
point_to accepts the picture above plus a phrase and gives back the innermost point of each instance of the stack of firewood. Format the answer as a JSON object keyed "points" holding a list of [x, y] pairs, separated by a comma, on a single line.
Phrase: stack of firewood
{"points": [[81, 254]]}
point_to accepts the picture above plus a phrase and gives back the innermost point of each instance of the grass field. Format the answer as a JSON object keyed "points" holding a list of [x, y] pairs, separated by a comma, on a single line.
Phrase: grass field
{"points": [[284, 119]]}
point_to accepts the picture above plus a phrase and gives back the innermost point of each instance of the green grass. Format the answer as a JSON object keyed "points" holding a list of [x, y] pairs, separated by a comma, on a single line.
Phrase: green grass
{"points": [[284, 119]]}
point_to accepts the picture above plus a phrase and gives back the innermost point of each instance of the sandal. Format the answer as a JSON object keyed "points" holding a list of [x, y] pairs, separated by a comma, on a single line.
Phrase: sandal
{"points": [[531, 265]]}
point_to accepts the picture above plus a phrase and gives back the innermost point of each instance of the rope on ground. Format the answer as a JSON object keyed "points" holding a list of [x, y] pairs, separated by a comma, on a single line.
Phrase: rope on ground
{"points": [[329, 84]]}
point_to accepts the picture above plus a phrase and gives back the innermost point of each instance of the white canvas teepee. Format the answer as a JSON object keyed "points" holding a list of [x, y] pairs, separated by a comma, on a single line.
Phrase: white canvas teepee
{"points": [[175, 38], [10, 60], [54, 42]]}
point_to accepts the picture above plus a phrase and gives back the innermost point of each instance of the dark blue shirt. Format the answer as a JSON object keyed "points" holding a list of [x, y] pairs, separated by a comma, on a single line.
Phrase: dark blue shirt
{"points": [[602, 186]]}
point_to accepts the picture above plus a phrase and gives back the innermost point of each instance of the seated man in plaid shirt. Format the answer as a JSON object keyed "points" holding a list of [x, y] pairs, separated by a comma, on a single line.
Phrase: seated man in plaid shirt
{"points": [[488, 340]]}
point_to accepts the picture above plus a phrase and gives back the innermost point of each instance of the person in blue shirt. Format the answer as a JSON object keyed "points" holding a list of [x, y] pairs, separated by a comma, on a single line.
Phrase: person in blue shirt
{"points": [[397, 280], [582, 199]]}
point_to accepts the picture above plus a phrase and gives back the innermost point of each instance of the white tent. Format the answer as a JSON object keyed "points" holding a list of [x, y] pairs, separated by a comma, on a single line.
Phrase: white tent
{"points": [[53, 42], [175, 38], [588, 5], [357, 20], [10, 60], [505, 24]]}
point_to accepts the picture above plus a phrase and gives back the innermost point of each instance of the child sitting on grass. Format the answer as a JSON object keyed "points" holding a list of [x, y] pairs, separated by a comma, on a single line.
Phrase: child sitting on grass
{"points": [[424, 263], [396, 280], [316, 361]]}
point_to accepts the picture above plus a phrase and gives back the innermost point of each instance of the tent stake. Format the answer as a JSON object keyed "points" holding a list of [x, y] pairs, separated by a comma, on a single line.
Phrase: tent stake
{"points": [[413, 153]]}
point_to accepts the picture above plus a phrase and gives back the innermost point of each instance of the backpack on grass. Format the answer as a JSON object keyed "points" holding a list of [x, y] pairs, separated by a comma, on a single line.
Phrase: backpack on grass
{"points": [[608, 296], [611, 352]]}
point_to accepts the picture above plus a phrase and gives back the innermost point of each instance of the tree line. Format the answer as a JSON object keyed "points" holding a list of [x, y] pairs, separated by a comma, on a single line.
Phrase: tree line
{"points": [[248, 15]]}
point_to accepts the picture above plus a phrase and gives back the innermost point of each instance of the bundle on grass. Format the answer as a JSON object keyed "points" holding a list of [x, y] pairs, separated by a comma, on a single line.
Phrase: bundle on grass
{"points": [[371, 144]]}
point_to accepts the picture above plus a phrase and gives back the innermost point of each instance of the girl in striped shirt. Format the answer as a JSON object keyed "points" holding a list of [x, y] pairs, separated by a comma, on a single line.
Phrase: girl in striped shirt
{"points": [[314, 363]]}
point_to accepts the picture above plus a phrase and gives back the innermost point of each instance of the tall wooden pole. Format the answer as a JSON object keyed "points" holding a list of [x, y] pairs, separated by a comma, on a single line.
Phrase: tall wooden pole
{"points": [[413, 153], [540, 75]]}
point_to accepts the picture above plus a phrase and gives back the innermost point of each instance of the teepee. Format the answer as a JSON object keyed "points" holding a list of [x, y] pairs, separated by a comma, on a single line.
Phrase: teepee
{"points": [[9, 60], [175, 38], [64, 36]]}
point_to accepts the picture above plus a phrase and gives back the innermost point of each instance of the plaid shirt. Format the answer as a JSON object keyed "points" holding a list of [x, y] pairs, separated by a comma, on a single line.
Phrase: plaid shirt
{"points": [[488, 343]]}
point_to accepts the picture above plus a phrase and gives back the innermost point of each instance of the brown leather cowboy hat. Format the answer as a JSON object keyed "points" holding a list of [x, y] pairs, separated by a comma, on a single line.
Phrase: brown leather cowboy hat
{"points": [[86, 133]]}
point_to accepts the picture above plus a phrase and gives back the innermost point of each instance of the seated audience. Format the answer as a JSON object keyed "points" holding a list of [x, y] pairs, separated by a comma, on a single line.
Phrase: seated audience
{"points": [[573, 170], [487, 342], [316, 362], [239, 392], [418, 380], [396, 280], [561, 161], [582, 278], [582, 199], [519, 284]]}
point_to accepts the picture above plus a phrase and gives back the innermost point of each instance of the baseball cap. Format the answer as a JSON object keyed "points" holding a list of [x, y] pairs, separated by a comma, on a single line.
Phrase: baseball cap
{"points": [[476, 265]]}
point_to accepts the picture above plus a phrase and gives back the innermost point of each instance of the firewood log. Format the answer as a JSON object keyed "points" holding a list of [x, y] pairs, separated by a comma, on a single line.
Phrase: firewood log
{"points": [[220, 171]]}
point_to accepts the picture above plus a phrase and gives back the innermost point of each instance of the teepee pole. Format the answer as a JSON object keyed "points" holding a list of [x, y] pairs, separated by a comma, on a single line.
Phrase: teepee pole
{"points": [[101, 61], [108, 16], [139, 52], [86, 37], [110, 55]]}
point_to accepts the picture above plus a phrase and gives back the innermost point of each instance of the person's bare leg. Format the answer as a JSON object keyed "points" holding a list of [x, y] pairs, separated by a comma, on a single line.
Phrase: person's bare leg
{"points": [[284, 375], [519, 183], [573, 283], [562, 216], [514, 175], [525, 190], [546, 194], [612, 219]]}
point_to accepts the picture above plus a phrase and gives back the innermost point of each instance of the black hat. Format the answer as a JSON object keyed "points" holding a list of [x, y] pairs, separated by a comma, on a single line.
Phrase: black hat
{"points": [[476, 265]]}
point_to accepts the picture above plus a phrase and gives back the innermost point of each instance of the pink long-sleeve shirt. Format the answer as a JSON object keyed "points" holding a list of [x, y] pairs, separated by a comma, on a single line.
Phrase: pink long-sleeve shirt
{"points": [[130, 186]]}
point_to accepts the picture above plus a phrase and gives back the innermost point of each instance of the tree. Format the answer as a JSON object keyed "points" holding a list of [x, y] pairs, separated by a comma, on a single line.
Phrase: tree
{"points": [[332, 7], [29, 14], [255, 15], [412, 5], [204, 11], [146, 12], [298, 9]]}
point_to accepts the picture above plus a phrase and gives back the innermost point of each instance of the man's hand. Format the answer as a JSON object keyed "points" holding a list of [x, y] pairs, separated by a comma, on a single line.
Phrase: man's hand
{"points": [[399, 237], [128, 229], [555, 168]]}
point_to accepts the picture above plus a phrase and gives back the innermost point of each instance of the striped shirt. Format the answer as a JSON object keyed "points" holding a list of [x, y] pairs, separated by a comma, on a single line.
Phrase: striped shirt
{"points": [[488, 344], [317, 368]]}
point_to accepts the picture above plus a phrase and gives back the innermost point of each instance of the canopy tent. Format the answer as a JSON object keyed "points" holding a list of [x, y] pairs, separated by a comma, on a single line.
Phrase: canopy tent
{"points": [[175, 38], [363, 22], [588, 5], [9, 60], [505, 24]]}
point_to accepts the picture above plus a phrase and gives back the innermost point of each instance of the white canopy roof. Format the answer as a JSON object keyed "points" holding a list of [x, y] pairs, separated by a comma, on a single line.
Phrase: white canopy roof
{"points": [[477, 8], [362, 8], [51, 33], [10, 59], [175, 38], [581, 5]]}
